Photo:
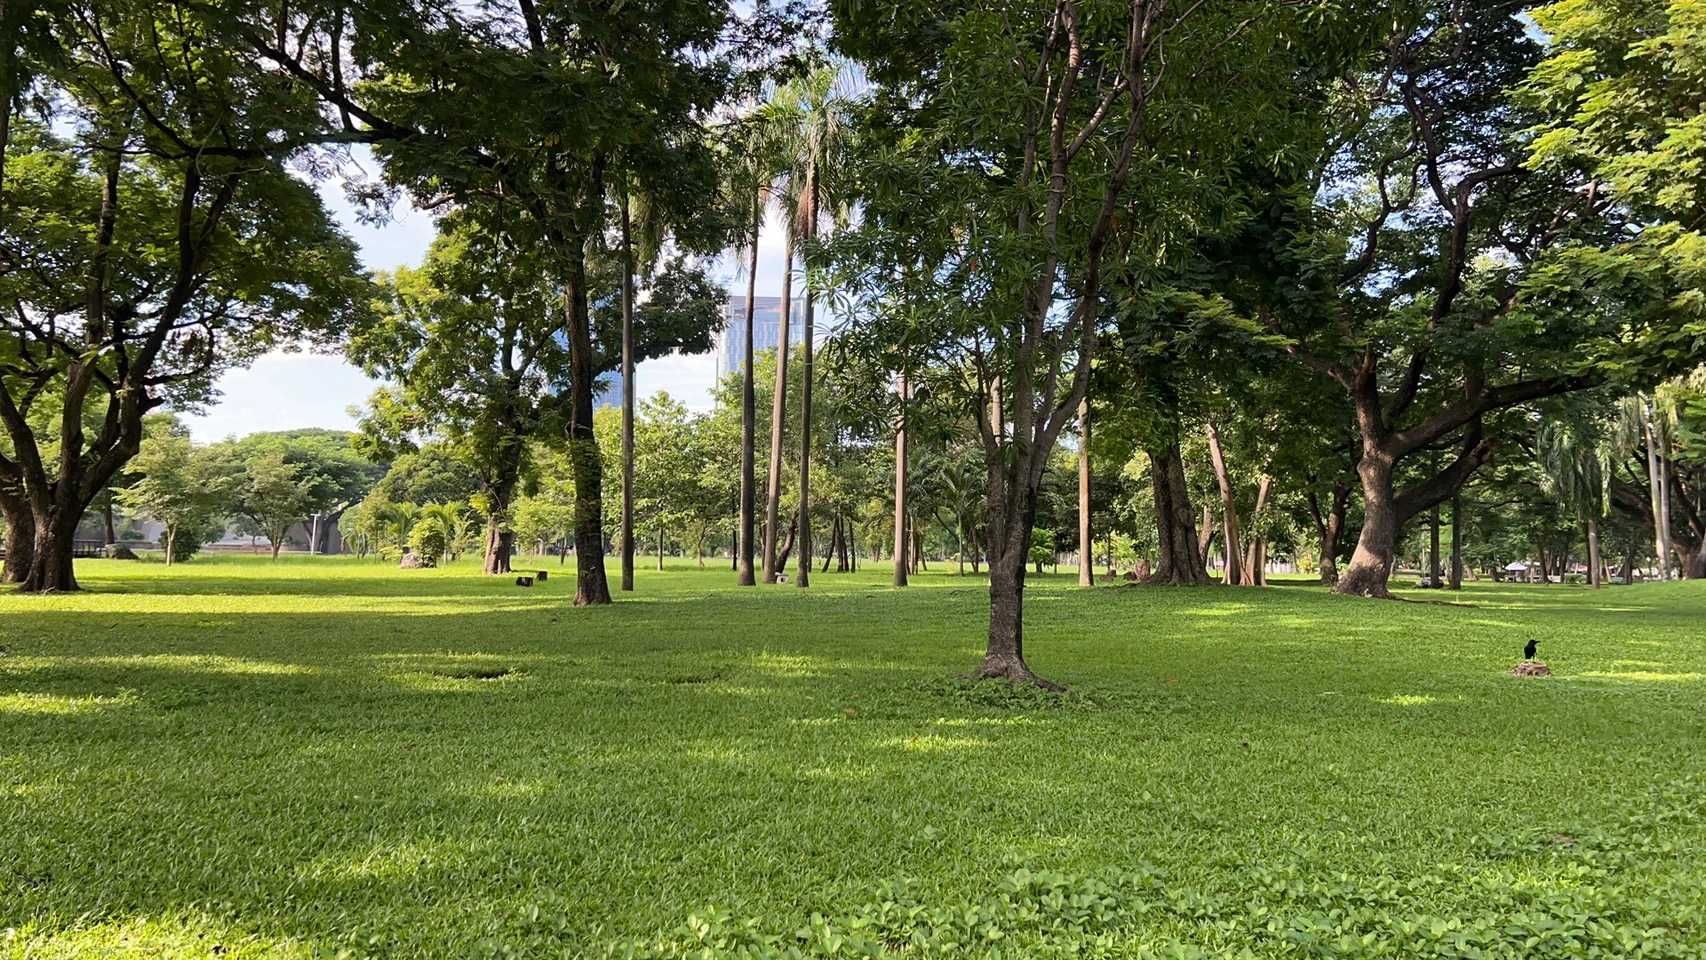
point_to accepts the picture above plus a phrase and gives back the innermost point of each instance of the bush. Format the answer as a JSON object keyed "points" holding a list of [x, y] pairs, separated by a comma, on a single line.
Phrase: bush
{"points": [[190, 540], [427, 542]]}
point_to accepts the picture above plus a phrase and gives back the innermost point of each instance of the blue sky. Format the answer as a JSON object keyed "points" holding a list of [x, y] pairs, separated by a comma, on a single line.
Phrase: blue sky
{"points": [[284, 390]]}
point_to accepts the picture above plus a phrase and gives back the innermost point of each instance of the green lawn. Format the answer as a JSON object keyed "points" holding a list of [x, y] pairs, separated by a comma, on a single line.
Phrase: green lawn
{"points": [[240, 758]]}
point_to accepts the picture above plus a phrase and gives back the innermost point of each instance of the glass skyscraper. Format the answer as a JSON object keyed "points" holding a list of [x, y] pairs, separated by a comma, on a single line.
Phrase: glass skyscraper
{"points": [[766, 329]]}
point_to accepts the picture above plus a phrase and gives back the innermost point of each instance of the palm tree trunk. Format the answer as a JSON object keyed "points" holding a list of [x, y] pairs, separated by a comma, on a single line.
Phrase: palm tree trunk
{"points": [[807, 373], [778, 410], [748, 403], [901, 455], [1086, 548]]}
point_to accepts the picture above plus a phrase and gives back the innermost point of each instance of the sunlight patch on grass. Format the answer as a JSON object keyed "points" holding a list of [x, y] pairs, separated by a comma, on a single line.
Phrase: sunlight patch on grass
{"points": [[48, 704], [1643, 676], [787, 665], [931, 743], [202, 663]]}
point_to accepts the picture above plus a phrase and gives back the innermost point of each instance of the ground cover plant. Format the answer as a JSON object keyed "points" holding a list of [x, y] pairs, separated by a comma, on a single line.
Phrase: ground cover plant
{"points": [[325, 757]]}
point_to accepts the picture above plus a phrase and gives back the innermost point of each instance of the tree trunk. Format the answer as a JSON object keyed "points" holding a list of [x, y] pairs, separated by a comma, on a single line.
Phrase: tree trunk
{"points": [[778, 411], [807, 373], [1328, 528], [20, 539], [51, 567], [1228, 500], [1371, 565], [585, 464], [107, 516], [1433, 546], [748, 410], [277, 545], [499, 545], [628, 399], [1661, 530], [901, 455], [1181, 551], [1456, 541], [1086, 545], [1256, 551], [1594, 572], [788, 544], [660, 549]]}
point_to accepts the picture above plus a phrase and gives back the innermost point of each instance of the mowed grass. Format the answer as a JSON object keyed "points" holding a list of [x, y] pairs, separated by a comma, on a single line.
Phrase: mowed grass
{"points": [[233, 757]]}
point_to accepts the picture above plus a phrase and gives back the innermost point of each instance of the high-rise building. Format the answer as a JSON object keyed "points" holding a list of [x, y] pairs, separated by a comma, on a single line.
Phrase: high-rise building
{"points": [[766, 329], [607, 392]]}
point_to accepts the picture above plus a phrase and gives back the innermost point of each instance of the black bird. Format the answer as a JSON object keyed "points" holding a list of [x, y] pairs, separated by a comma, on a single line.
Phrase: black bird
{"points": [[1528, 651]]}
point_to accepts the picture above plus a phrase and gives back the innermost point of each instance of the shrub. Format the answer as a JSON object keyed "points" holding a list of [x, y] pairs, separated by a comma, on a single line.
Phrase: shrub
{"points": [[427, 542]]}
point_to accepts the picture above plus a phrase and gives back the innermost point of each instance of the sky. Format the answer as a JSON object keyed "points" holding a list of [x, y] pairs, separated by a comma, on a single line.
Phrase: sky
{"points": [[285, 390]]}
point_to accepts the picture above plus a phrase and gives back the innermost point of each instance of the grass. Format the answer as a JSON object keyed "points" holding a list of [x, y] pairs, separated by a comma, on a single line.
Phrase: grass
{"points": [[321, 756]]}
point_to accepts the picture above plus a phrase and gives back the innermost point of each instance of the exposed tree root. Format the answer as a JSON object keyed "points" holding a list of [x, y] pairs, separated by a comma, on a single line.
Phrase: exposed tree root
{"points": [[1014, 671]]}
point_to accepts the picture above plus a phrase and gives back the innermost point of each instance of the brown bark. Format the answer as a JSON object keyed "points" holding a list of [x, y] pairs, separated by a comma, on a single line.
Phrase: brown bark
{"points": [[20, 539], [1180, 559], [499, 545], [778, 411], [1370, 568], [585, 464], [1256, 549], [1329, 526], [788, 544], [1228, 502]]}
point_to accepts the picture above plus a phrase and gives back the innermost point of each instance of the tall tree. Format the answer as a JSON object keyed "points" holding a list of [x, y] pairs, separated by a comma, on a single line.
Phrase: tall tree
{"points": [[154, 236], [1020, 138], [1440, 276]]}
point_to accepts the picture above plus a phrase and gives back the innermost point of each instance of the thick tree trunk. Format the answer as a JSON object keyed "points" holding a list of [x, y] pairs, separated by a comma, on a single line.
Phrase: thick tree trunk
{"points": [[20, 540], [51, 568], [778, 411], [1181, 552], [1370, 568], [499, 545], [1697, 562], [901, 455], [627, 532], [107, 516], [585, 464], [748, 412], [1086, 544]]}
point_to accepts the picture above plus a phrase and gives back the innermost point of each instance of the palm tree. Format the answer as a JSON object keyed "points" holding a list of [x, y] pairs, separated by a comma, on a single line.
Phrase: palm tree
{"points": [[401, 518], [1576, 472], [812, 128]]}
